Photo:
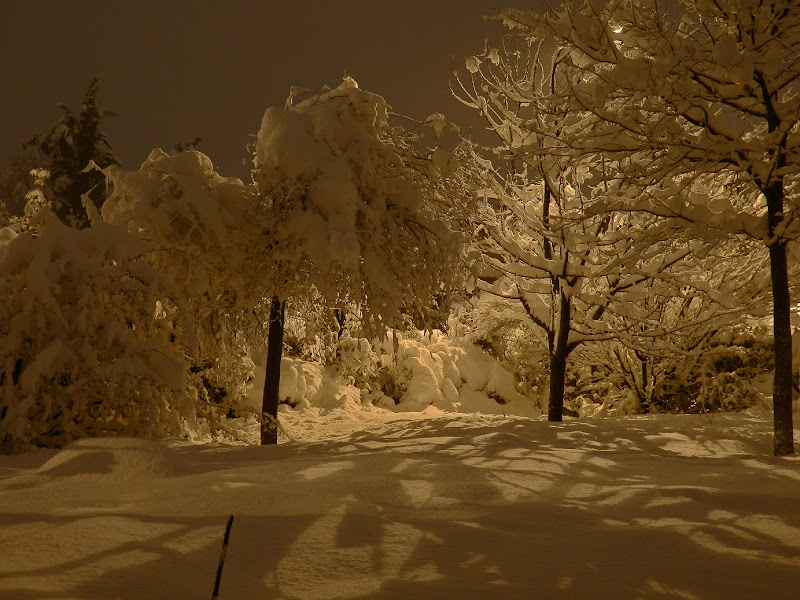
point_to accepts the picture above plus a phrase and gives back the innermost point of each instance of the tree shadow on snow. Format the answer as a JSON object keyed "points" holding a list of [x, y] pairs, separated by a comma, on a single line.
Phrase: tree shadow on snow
{"points": [[493, 517], [436, 508]]}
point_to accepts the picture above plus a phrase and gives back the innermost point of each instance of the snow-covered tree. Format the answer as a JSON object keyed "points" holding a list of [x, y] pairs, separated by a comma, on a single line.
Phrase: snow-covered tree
{"points": [[354, 208], [196, 223], [577, 276], [659, 363], [702, 94], [92, 339], [67, 150]]}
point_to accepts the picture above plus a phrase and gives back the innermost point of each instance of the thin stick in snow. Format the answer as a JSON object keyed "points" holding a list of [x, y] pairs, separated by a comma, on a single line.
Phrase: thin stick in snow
{"points": [[215, 595]]}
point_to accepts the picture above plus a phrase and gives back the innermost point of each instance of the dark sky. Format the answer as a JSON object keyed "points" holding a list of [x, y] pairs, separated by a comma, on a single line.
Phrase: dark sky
{"points": [[176, 69]]}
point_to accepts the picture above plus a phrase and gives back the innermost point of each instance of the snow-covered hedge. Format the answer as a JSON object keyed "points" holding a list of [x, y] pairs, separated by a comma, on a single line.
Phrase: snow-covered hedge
{"points": [[92, 341]]}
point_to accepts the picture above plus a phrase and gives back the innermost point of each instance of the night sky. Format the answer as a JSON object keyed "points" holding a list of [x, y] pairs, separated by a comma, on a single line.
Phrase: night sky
{"points": [[176, 69]]}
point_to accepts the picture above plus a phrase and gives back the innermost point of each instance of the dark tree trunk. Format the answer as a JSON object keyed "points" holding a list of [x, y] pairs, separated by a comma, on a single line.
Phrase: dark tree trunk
{"points": [[272, 380], [774, 193], [341, 320], [782, 331], [558, 361], [644, 397], [782, 328]]}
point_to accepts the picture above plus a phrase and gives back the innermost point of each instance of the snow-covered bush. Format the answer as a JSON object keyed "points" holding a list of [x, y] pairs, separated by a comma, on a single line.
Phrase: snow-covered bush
{"points": [[408, 373], [735, 359], [501, 329], [717, 373], [194, 217], [196, 222], [93, 341], [313, 331]]}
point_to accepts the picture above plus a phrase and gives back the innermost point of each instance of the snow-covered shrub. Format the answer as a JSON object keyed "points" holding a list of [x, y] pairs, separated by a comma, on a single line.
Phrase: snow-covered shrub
{"points": [[716, 374], [197, 224], [744, 350], [406, 373], [93, 341], [718, 377], [498, 328], [725, 392], [735, 359], [195, 218], [312, 331], [37, 208], [433, 370]]}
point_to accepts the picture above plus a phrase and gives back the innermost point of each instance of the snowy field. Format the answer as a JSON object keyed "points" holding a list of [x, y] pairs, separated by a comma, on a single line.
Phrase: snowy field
{"points": [[413, 505]]}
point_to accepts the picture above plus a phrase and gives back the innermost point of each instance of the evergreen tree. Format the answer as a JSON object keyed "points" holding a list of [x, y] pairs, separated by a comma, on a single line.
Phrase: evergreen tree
{"points": [[68, 149]]}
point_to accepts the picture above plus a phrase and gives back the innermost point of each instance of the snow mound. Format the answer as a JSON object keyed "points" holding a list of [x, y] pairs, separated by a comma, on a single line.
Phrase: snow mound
{"points": [[115, 457]]}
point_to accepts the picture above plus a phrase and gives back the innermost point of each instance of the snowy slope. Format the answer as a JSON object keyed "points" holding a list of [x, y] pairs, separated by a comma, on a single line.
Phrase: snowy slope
{"points": [[417, 505]]}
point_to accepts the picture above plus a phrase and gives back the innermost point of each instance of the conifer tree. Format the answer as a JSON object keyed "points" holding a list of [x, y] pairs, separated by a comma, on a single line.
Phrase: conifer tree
{"points": [[67, 150]]}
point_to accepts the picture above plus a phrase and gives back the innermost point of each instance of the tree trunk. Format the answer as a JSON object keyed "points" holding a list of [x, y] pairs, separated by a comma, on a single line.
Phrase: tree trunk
{"points": [[272, 380], [782, 328], [782, 331], [558, 361], [642, 391], [341, 320]]}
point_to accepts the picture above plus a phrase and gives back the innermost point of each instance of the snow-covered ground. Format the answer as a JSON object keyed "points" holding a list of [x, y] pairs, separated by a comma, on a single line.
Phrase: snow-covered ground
{"points": [[373, 504]]}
